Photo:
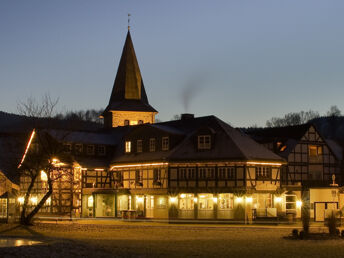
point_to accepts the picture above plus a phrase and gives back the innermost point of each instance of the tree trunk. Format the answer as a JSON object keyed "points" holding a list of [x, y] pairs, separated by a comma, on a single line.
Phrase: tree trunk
{"points": [[27, 220], [26, 200]]}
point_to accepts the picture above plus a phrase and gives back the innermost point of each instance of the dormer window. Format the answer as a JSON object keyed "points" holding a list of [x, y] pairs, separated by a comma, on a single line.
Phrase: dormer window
{"points": [[139, 146], [101, 150], [204, 142], [127, 146], [67, 147], [78, 148], [90, 150], [165, 143], [152, 144]]}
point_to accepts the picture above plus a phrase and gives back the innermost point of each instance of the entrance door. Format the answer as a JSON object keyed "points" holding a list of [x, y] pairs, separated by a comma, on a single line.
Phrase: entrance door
{"points": [[105, 205], [319, 212]]}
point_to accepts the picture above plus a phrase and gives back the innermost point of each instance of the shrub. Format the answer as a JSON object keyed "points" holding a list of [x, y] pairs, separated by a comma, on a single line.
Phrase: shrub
{"points": [[302, 234], [331, 224]]}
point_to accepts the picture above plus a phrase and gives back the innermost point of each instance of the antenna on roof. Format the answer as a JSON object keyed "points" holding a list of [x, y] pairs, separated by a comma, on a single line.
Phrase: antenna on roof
{"points": [[129, 21]]}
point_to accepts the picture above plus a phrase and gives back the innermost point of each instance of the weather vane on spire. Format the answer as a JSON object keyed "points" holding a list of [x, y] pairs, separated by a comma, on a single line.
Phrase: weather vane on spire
{"points": [[129, 21]]}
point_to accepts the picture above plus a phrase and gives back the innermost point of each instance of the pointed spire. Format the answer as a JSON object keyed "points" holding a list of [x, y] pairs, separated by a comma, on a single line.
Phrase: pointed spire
{"points": [[128, 87]]}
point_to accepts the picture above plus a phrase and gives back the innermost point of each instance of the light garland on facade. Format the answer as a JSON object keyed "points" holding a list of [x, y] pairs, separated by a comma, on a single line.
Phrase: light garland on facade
{"points": [[140, 165], [27, 148]]}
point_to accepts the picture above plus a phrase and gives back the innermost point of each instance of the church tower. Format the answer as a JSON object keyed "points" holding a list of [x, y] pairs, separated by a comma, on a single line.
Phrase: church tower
{"points": [[128, 103]]}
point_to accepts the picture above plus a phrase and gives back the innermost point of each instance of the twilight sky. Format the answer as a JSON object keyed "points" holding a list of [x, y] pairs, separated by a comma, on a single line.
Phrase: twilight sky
{"points": [[244, 61]]}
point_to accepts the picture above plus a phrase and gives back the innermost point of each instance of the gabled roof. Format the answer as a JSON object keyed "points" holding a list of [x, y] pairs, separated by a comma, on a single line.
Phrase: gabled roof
{"points": [[128, 93], [229, 144], [282, 133]]}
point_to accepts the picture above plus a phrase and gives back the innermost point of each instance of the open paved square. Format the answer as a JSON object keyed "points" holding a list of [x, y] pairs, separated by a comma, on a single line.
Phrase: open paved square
{"points": [[147, 239]]}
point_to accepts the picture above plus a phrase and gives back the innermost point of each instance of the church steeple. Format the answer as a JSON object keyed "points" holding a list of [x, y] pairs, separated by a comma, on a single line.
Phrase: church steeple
{"points": [[128, 93]]}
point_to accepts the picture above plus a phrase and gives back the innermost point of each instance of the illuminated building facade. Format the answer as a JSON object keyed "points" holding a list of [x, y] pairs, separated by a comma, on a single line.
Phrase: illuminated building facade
{"points": [[192, 168]]}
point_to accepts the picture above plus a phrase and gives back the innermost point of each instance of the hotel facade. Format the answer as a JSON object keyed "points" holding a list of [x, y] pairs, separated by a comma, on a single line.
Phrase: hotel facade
{"points": [[191, 168]]}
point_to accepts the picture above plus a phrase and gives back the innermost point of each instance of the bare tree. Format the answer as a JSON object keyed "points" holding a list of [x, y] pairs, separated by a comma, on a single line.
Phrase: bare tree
{"points": [[295, 118], [334, 111], [32, 108], [43, 159]]}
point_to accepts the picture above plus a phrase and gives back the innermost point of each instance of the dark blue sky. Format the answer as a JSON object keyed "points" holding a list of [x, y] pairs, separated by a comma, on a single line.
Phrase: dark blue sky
{"points": [[246, 60]]}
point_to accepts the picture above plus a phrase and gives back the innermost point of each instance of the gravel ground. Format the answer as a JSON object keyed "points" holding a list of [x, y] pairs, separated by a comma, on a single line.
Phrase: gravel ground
{"points": [[163, 240]]}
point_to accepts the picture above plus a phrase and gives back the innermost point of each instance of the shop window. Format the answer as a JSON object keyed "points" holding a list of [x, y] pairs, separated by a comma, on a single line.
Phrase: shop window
{"points": [[204, 142], [161, 203], [186, 202], [139, 146], [205, 202], [165, 143], [152, 144], [225, 201]]}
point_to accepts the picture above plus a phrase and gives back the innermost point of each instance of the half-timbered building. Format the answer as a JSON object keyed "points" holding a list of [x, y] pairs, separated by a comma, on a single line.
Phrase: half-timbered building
{"points": [[313, 162]]}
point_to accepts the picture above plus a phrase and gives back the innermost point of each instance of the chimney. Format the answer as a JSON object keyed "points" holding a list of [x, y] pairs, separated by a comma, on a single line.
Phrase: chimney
{"points": [[187, 116]]}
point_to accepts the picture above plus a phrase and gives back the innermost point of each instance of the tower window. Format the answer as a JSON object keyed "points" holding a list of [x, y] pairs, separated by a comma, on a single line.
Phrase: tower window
{"points": [[128, 146]]}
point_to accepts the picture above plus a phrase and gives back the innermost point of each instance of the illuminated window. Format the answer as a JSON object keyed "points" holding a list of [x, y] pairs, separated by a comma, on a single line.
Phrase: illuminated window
{"points": [[187, 173], [165, 143], [152, 144], [156, 175], [78, 148], [225, 201], [90, 150], [133, 123], [186, 202], [138, 177], [226, 172], [314, 150], [67, 147], [204, 142], [139, 146], [128, 146], [205, 202], [101, 150], [263, 173]]}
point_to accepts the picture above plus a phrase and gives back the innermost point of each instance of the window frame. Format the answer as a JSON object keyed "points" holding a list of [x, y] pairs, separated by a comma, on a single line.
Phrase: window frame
{"points": [[139, 147], [165, 143], [152, 144], [204, 142], [127, 147]]}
